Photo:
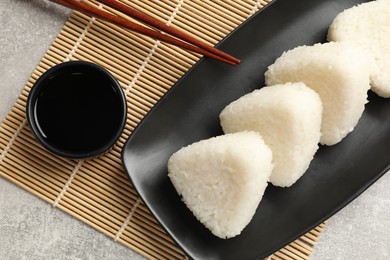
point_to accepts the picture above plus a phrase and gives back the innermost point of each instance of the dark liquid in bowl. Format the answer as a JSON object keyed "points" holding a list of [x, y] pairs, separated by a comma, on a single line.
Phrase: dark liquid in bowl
{"points": [[79, 112]]}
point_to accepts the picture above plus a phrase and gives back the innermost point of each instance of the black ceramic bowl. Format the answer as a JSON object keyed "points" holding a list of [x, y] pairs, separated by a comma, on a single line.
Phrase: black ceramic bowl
{"points": [[76, 110]]}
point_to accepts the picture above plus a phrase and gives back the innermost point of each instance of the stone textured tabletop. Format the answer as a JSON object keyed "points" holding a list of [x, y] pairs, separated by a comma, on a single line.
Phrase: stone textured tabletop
{"points": [[32, 229]]}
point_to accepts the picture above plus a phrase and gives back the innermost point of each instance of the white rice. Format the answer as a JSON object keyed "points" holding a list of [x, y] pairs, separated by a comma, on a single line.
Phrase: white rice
{"points": [[338, 72], [288, 117], [368, 25], [222, 179]]}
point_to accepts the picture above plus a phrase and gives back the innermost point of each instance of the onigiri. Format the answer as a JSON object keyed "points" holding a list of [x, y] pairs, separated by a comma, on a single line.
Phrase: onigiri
{"points": [[222, 179], [338, 72], [368, 25], [288, 117]]}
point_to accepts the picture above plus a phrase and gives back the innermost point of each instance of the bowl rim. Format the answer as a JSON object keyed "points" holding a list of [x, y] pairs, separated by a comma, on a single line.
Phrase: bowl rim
{"points": [[35, 91]]}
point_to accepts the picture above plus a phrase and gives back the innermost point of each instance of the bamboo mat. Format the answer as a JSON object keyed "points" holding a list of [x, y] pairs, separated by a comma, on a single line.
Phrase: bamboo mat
{"points": [[97, 191]]}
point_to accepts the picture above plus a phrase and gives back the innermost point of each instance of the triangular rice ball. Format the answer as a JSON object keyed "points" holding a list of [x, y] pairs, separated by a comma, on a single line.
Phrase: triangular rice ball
{"points": [[222, 180]]}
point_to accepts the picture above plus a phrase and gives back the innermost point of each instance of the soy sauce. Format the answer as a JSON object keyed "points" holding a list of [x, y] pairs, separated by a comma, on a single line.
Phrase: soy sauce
{"points": [[79, 111]]}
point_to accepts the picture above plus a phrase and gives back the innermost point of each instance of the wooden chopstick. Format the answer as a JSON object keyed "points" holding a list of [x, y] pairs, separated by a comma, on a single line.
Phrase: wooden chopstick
{"points": [[183, 40]]}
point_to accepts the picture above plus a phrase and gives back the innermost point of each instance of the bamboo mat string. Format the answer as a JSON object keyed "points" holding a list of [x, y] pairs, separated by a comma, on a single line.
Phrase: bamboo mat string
{"points": [[97, 191], [78, 41], [11, 141], [142, 67], [174, 13], [257, 6], [127, 221], [67, 184]]}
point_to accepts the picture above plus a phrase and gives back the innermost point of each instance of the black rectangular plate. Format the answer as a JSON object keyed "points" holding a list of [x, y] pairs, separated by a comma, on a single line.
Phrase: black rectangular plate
{"points": [[189, 112]]}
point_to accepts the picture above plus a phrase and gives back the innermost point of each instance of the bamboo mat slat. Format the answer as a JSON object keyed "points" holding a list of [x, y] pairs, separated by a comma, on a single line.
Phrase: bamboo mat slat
{"points": [[97, 191]]}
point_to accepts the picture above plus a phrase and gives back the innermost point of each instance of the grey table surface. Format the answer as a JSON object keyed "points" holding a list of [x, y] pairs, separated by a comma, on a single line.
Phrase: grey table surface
{"points": [[32, 229]]}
